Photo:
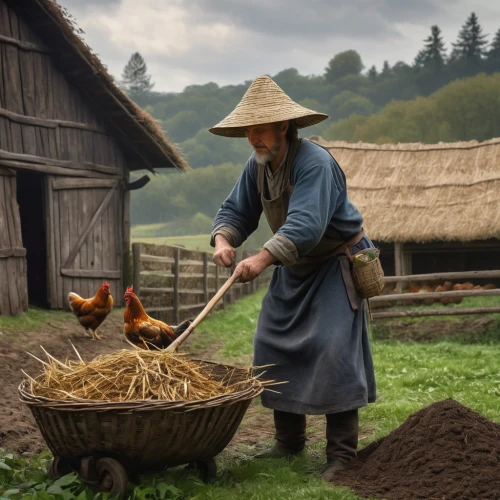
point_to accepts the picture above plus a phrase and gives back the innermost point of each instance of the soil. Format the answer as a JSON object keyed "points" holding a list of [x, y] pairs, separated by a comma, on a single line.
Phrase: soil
{"points": [[443, 451], [429, 331]]}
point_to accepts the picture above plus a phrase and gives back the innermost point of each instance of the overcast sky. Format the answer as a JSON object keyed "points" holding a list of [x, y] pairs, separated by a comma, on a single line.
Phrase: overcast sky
{"points": [[188, 42]]}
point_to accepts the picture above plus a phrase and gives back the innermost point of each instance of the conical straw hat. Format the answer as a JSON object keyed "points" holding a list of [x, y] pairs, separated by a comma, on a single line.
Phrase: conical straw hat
{"points": [[265, 102]]}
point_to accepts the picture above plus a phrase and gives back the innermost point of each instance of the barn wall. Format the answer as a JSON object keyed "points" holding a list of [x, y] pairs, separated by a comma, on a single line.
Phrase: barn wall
{"points": [[14, 291], [46, 125]]}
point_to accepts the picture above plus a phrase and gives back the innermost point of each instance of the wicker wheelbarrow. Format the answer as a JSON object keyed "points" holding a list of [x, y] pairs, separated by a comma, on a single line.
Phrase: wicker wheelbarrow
{"points": [[105, 442]]}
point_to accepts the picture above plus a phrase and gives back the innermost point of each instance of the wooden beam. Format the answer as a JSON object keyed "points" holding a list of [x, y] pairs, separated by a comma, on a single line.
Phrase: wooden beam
{"points": [[457, 311], [53, 170], [436, 295], [205, 276], [398, 264], [49, 122], [136, 256], [82, 183], [91, 273], [29, 46], [467, 275], [157, 258], [176, 285], [73, 253], [12, 252]]}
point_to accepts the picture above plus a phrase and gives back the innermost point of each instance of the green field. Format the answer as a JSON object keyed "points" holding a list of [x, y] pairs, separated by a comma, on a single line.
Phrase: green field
{"points": [[410, 375], [199, 242]]}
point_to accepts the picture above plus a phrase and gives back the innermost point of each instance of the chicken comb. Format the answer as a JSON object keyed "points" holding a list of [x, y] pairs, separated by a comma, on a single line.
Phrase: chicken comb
{"points": [[130, 289]]}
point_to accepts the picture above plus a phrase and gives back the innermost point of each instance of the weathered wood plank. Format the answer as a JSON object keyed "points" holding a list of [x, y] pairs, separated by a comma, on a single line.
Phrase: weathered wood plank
{"points": [[74, 232], [4, 230], [136, 256], [205, 276], [47, 169], [158, 258], [4, 293], [463, 275], [65, 241], [51, 252], [4, 20], [12, 252], [16, 216], [49, 82], [83, 183], [23, 286], [456, 311], [436, 295], [27, 46], [31, 119], [13, 283], [100, 274], [127, 275], [11, 223], [28, 97], [97, 215], [176, 273], [57, 247], [14, 25]]}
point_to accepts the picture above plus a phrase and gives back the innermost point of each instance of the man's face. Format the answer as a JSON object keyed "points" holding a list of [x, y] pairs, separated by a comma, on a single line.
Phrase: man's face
{"points": [[266, 140]]}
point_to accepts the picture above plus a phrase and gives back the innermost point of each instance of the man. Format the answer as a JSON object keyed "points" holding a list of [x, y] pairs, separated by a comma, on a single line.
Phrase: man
{"points": [[312, 327]]}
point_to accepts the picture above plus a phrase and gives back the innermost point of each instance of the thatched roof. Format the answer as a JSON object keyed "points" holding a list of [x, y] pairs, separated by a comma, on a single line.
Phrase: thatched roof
{"points": [[83, 68], [424, 192]]}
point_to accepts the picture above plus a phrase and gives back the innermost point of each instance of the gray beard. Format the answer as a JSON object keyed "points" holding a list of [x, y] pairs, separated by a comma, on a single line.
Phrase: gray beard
{"points": [[265, 158]]}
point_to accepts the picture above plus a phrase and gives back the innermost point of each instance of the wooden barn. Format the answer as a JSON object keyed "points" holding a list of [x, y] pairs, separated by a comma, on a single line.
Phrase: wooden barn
{"points": [[68, 140], [429, 207]]}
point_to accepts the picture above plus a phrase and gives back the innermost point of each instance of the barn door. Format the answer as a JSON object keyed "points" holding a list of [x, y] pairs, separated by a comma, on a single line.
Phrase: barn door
{"points": [[13, 275], [85, 249]]}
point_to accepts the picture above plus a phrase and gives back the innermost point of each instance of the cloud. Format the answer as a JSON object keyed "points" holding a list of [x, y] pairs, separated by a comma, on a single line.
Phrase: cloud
{"points": [[229, 41]]}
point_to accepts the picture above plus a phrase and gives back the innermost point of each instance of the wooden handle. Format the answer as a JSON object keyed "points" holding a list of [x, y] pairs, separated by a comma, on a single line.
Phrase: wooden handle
{"points": [[211, 304]]}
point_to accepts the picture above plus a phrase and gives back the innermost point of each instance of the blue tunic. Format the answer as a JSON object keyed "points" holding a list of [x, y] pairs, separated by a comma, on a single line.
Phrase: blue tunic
{"points": [[307, 328]]}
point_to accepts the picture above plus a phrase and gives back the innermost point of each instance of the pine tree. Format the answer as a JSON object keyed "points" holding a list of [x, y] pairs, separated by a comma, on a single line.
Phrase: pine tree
{"points": [[135, 80], [494, 52], [386, 69], [372, 73], [471, 42], [433, 54]]}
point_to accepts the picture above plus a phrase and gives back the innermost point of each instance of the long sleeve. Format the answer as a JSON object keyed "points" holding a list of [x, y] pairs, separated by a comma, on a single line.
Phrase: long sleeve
{"points": [[239, 214]]}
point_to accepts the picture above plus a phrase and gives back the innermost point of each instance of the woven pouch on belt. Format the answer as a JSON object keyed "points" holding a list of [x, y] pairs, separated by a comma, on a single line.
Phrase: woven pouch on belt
{"points": [[368, 275]]}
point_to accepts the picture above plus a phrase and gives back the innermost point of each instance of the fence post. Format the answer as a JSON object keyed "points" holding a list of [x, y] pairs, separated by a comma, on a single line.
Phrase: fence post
{"points": [[205, 276], [136, 252], [176, 286], [398, 264]]}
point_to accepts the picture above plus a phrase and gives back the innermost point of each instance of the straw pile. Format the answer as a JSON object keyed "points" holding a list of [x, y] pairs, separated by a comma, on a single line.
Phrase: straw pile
{"points": [[131, 376]]}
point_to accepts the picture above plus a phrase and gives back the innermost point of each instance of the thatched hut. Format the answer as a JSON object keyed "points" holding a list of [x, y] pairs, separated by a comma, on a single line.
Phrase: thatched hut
{"points": [[437, 204], [68, 140]]}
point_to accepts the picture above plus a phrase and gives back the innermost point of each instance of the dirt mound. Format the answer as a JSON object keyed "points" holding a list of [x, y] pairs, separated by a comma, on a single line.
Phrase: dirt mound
{"points": [[444, 451]]}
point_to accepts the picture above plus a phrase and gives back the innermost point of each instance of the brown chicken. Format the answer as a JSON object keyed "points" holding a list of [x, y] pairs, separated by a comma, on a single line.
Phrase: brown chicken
{"points": [[445, 287], [92, 312], [141, 330]]}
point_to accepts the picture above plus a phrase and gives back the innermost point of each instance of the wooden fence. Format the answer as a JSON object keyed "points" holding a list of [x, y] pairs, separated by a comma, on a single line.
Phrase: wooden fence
{"points": [[402, 297], [175, 284]]}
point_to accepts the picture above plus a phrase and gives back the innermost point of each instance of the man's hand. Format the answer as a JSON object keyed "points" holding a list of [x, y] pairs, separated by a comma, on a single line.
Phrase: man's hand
{"points": [[224, 255], [250, 268]]}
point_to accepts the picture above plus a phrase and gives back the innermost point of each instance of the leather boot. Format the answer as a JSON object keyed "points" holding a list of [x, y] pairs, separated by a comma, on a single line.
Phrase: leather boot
{"points": [[290, 435], [342, 441]]}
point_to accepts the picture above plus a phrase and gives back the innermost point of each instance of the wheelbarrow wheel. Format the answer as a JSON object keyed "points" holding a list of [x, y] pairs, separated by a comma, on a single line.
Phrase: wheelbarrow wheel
{"points": [[112, 477], [205, 468], [59, 467]]}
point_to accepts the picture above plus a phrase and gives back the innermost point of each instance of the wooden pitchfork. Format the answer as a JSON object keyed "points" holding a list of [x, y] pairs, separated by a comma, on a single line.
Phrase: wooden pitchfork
{"points": [[211, 304]]}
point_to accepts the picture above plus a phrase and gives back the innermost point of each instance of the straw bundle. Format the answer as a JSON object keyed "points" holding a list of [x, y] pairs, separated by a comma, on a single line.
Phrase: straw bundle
{"points": [[127, 375]]}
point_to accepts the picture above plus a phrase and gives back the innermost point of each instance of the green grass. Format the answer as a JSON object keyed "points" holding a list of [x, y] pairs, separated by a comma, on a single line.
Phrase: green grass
{"points": [[410, 375], [199, 242], [33, 319]]}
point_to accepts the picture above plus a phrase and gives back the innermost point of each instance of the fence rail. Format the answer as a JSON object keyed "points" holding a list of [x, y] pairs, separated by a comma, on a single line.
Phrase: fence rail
{"points": [[175, 284], [392, 299]]}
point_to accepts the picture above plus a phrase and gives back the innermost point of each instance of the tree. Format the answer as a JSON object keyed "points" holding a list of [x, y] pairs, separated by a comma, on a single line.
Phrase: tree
{"points": [[372, 73], [494, 53], [471, 42], [343, 64], [135, 80], [433, 54], [386, 70]]}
